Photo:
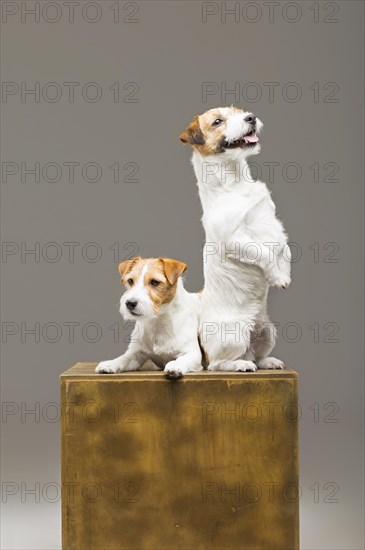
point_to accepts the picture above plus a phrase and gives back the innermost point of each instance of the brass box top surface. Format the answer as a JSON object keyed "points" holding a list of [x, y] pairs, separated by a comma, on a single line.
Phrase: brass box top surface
{"points": [[87, 370], [208, 462]]}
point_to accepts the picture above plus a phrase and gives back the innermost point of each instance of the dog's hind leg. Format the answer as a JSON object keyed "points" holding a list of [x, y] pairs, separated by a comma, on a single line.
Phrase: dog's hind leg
{"points": [[227, 349], [270, 363], [262, 344]]}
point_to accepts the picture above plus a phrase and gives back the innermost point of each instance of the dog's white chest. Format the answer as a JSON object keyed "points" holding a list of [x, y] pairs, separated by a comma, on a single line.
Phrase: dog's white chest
{"points": [[164, 348], [160, 339]]}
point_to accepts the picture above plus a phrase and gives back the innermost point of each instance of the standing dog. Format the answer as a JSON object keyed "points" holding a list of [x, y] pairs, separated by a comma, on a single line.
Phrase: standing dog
{"points": [[246, 247], [166, 316]]}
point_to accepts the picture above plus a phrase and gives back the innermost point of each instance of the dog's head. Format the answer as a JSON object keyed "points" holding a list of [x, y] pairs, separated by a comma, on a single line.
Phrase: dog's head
{"points": [[224, 130], [150, 284]]}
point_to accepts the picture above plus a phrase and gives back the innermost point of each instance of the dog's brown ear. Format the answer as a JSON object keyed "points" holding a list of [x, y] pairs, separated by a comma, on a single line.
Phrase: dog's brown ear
{"points": [[127, 265], [173, 269], [193, 133]]}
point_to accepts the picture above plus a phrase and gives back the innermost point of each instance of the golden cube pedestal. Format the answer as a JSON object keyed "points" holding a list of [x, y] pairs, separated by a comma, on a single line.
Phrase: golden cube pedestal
{"points": [[208, 462]]}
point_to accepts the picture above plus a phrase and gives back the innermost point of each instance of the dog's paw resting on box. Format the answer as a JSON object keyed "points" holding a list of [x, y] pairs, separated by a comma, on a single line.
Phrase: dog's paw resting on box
{"points": [[166, 316]]}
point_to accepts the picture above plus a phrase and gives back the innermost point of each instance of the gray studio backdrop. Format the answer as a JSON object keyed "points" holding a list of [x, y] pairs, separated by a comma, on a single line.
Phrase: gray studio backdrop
{"points": [[94, 97]]}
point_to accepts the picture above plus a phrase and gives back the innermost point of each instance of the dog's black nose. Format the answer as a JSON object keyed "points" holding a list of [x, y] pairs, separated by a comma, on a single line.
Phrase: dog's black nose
{"points": [[130, 305], [251, 119]]}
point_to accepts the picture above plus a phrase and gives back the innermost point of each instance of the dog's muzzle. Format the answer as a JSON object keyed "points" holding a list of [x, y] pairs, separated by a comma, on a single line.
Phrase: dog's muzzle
{"points": [[131, 306], [244, 142], [248, 139]]}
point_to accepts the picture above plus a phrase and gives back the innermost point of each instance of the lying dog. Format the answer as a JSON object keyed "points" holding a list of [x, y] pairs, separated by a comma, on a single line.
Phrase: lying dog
{"points": [[246, 247], [166, 316]]}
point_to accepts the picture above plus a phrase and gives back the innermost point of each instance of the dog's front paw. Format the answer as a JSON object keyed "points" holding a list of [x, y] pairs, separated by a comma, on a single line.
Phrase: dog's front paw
{"points": [[245, 366], [237, 365], [173, 371], [279, 280], [108, 367]]}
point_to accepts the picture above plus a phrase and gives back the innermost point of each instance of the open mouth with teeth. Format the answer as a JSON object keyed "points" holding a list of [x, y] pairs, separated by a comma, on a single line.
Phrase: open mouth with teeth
{"points": [[248, 140]]}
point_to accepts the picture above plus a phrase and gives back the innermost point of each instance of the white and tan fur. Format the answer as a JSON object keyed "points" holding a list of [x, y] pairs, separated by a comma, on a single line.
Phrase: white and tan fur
{"points": [[166, 316], [246, 247]]}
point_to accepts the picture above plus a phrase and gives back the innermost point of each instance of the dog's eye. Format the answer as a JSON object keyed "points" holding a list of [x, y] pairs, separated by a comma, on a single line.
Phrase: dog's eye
{"points": [[154, 282], [130, 282], [217, 122]]}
